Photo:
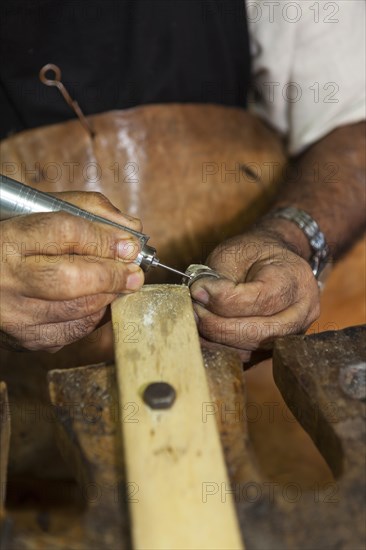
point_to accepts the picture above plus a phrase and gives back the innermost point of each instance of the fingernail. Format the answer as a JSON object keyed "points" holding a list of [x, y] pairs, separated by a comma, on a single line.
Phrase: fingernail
{"points": [[134, 280], [201, 296], [196, 318], [127, 249]]}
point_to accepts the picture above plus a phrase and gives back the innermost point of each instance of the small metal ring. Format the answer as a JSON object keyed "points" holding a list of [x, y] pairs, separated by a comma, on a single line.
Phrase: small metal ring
{"points": [[198, 271]]}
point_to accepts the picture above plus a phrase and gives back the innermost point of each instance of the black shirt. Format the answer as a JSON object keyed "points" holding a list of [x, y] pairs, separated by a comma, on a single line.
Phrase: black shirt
{"points": [[115, 54]]}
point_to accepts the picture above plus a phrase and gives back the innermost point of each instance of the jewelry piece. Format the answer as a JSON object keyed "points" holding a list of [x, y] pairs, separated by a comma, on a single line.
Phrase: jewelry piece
{"points": [[198, 271]]}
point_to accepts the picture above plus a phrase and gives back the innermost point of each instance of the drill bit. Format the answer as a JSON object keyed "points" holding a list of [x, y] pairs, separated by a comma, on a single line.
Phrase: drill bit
{"points": [[172, 269]]}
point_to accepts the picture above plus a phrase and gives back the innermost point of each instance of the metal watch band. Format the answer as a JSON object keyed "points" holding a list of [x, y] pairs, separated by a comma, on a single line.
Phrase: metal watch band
{"points": [[311, 229]]}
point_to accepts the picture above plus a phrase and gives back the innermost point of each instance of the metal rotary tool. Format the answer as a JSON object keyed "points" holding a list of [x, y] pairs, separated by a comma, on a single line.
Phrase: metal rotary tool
{"points": [[17, 199]]}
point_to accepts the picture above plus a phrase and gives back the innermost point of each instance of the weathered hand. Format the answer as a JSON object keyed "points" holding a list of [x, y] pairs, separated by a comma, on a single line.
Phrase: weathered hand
{"points": [[266, 291], [60, 272]]}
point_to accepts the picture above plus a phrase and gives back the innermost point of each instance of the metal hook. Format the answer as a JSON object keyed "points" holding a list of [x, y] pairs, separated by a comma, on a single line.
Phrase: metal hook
{"points": [[56, 81]]}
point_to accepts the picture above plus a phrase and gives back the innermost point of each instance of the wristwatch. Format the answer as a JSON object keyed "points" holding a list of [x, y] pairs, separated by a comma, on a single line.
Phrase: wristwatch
{"points": [[317, 242]]}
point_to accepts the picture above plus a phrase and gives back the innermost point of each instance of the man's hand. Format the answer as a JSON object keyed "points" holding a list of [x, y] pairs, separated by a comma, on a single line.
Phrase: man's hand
{"points": [[267, 291], [271, 291], [60, 272]]}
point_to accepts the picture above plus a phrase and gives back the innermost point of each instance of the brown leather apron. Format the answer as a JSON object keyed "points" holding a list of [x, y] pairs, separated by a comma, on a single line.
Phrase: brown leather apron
{"points": [[194, 174]]}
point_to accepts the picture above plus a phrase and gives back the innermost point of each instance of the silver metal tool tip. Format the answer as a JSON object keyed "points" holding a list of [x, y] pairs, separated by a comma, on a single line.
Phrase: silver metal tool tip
{"points": [[173, 270]]}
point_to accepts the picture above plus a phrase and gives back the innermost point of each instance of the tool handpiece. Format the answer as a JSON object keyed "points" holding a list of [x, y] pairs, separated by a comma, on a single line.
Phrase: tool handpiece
{"points": [[17, 199]]}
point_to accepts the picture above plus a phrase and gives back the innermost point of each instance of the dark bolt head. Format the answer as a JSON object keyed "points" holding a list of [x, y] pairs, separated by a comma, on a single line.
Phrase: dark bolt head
{"points": [[159, 395]]}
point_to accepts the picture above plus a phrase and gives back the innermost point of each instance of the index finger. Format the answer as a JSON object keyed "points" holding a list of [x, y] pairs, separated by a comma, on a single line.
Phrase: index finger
{"points": [[58, 233], [99, 204]]}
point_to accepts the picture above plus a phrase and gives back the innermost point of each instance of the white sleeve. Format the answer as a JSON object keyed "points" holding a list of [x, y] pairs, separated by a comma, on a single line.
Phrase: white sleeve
{"points": [[308, 66]]}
